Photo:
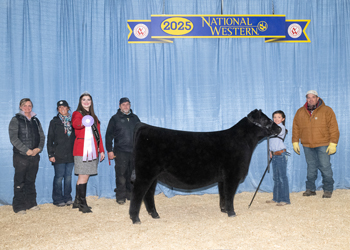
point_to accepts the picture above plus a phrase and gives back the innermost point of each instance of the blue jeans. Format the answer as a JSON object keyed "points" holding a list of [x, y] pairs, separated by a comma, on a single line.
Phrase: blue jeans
{"points": [[63, 171], [317, 158], [280, 179]]}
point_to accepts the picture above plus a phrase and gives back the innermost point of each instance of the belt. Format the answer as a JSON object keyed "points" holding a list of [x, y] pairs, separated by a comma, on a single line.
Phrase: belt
{"points": [[279, 152]]}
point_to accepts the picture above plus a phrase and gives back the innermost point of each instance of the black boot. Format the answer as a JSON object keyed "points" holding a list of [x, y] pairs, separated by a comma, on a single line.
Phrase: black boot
{"points": [[77, 198], [83, 207], [77, 201]]}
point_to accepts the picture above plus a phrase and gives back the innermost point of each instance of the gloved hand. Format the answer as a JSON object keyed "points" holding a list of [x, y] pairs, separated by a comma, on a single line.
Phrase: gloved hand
{"points": [[332, 148], [296, 147]]}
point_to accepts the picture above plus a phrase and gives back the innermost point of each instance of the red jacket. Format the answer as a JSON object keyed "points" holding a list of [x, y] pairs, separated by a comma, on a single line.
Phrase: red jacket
{"points": [[79, 130]]}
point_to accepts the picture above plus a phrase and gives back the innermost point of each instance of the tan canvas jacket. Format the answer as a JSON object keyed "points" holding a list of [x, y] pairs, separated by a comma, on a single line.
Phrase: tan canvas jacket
{"points": [[316, 130]]}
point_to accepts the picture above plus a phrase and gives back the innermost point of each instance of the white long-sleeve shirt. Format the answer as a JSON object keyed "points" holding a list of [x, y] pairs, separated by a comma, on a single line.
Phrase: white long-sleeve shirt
{"points": [[277, 144]]}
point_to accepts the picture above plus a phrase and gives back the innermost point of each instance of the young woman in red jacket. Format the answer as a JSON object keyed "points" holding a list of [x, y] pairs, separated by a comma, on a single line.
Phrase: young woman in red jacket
{"points": [[85, 164]]}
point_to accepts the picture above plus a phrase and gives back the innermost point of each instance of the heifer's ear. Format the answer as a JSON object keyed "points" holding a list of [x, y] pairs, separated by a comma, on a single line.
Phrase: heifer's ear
{"points": [[265, 116], [250, 115]]}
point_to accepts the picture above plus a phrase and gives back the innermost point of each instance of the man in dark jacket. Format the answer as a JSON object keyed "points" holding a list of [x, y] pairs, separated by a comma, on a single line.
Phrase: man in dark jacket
{"points": [[121, 129], [28, 139]]}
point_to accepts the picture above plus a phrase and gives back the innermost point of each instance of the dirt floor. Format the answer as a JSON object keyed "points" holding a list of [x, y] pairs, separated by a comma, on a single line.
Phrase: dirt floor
{"points": [[187, 222]]}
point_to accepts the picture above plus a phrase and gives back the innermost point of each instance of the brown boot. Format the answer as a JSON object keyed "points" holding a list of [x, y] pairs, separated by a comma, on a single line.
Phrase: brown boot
{"points": [[327, 194], [309, 193]]}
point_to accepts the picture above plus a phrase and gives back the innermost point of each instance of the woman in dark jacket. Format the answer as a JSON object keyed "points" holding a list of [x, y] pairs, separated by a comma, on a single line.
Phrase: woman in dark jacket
{"points": [[28, 139], [60, 142]]}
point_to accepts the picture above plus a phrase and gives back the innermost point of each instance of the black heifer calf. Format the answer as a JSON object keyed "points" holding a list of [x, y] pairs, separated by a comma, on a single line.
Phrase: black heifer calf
{"points": [[190, 160]]}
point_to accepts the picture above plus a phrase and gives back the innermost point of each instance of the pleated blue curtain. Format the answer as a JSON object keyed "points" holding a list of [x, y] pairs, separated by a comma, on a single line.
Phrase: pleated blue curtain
{"points": [[52, 50]]}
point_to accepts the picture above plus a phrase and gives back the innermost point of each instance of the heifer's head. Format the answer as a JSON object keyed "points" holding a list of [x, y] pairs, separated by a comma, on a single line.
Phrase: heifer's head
{"points": [[268, 127]]}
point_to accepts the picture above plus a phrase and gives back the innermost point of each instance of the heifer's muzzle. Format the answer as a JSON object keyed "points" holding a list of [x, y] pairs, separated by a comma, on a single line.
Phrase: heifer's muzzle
{"points": [[274, 129]]}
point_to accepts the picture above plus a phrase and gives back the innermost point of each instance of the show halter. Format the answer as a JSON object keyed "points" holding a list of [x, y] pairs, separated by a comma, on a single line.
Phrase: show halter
{"points": [[266, 170], [268, 126], [268, 155], [89, 152]]}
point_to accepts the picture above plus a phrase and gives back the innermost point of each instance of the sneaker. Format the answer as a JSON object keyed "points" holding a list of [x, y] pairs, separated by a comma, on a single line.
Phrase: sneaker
{"points": [[327, 194], [21, 212], [35, 208], [62, 204], [270, 201], [68, 203], [309, 193], [121, 202], [282, 204]]}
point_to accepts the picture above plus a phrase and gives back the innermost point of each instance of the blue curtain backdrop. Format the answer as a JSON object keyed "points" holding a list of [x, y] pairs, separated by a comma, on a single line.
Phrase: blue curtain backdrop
{"points": [[52, 50]]}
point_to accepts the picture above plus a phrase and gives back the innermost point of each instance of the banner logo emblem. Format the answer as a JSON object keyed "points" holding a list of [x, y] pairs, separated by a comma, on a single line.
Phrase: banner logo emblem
{"points": [[294, 30], [141, 31], [262, 26]]}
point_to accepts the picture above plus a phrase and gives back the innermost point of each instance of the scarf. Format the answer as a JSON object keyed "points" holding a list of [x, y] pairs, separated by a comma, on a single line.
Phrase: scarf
{"points": [[66, 120]]}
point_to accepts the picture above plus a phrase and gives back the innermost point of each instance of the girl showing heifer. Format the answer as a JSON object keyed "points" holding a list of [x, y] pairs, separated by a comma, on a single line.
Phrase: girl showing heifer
{"points": [[278, 153]]}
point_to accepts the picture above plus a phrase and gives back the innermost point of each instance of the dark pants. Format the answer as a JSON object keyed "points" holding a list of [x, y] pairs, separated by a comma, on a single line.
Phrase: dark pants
{"points": [[123, 170], [26, 168], [63, 172]]}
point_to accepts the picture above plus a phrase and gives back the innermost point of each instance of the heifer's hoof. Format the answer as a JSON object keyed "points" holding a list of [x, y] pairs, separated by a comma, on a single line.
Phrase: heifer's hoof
{"points": [[154, 215], [231, 214], [135, 220], [223, 210]]}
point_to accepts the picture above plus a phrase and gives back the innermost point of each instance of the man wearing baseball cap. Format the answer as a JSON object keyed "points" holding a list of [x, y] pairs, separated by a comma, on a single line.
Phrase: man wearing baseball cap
{"points": [[121, 130], [316, 126]]}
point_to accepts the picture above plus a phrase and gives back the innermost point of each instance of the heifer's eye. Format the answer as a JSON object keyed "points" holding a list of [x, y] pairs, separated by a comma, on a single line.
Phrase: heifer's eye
{"points": [[270, 124]]}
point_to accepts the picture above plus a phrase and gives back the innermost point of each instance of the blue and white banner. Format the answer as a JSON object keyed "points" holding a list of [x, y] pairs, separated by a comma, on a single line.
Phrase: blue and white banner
{"points": [[163, 28]]}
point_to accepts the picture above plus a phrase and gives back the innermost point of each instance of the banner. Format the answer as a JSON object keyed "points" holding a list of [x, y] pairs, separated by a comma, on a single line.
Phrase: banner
{"points": [[163, 28]]}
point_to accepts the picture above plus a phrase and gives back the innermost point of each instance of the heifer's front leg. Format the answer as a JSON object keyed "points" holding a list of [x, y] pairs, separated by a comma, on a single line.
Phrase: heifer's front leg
{"points": [[222, 196], [149, 201], [140, 188], [230, 188]]}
